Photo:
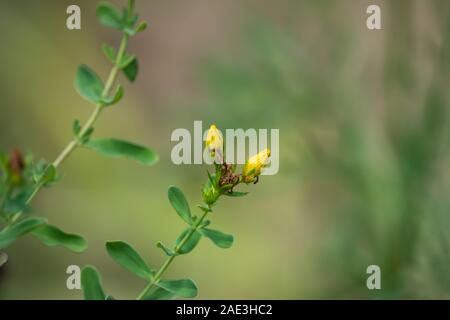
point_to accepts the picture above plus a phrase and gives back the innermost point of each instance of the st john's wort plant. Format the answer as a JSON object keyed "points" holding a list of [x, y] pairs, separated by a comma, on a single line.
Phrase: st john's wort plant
{"points": [[21, 178], [222, 182]]}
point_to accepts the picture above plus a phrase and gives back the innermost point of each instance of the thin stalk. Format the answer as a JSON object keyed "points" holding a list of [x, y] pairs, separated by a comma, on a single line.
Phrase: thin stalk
{"points": [[96, 113], [74, 143], [169, 260]]}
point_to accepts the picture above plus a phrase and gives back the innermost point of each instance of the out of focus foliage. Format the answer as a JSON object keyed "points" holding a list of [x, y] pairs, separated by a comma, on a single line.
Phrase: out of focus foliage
{"points": [[373, 144], [364, 134]]}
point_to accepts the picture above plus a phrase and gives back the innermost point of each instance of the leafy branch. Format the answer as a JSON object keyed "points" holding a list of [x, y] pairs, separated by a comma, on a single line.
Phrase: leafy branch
{"points": [[21, 178], [221, 183]]}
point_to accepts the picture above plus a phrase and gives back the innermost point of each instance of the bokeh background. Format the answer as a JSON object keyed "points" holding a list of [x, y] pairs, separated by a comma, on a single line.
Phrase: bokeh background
{"points": [[364, 144]]}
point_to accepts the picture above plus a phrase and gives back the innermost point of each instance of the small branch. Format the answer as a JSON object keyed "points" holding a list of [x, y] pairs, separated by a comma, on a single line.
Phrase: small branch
{"points": [[74, 143], [169, 260]]}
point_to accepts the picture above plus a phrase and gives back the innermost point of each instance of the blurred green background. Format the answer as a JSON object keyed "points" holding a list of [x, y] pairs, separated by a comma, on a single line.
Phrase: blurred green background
{"points": [[364, 144]]}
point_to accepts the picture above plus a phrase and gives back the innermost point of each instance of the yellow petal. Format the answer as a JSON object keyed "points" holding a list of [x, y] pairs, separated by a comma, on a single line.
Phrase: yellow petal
{"points": [[214, 139], [255, 164]]}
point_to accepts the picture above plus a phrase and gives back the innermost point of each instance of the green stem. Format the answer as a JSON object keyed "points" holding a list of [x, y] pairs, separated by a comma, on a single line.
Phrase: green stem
{"points": [[130, 7], [169, 260], [74, 143], [94, 116]]}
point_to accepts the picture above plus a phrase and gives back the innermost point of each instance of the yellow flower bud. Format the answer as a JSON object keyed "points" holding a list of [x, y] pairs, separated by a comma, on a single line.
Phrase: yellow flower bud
{"points": [[214, 143], [254, 165]]}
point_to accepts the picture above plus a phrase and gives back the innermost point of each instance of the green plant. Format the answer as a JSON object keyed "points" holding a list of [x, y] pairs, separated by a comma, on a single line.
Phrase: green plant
{"points": [[220, 183], [21, 178]]}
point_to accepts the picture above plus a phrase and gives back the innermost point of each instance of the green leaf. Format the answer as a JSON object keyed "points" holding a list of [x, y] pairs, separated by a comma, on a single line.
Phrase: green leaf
{"points": [[118, 95], [127, 257], [49, 174], [129, 31], [129, 20], [122, 149], [18, 229], [109, 16], [169, 252], [88, 84], [92, 284], [86, 136], [76, 128], [109, 53], [133, 31], [157, 293], [52, 236], [180, 204], [184, 288], [211, 180], [19, 202], [108, 297], [45, 173], [114, 99], [141, 27], [3, 258], [220, 239], [235, 194], [190, 244], [126, 60], [205, 223], [204, 208], [131, 70]]}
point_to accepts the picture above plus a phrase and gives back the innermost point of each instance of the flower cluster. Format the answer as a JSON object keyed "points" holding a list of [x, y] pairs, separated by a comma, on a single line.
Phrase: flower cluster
{"points": [[221, 182], [225, 178]]}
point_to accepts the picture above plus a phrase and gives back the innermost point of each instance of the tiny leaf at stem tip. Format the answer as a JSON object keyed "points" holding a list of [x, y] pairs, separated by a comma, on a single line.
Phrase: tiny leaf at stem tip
{"points": [[142, 26], [169, 252], [204, 208], [76, 127]]}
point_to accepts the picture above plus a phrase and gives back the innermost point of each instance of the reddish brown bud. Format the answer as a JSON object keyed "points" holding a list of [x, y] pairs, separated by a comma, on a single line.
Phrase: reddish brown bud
{"points": [[16, 163]]}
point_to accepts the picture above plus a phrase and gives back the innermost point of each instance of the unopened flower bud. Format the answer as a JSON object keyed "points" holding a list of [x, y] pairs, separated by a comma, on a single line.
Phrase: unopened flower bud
{"points": [[16, 165], [214, 143], [254, 166], [210, 193]]}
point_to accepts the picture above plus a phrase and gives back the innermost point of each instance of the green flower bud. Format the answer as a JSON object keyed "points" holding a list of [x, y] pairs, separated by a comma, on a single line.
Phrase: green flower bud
{"points": [[210, 193]]}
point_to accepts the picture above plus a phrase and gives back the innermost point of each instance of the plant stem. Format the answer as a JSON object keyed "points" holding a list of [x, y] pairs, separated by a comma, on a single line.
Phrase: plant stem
{"points": [[169, 260], [130, 7], [74, 143], [90, 122]]}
